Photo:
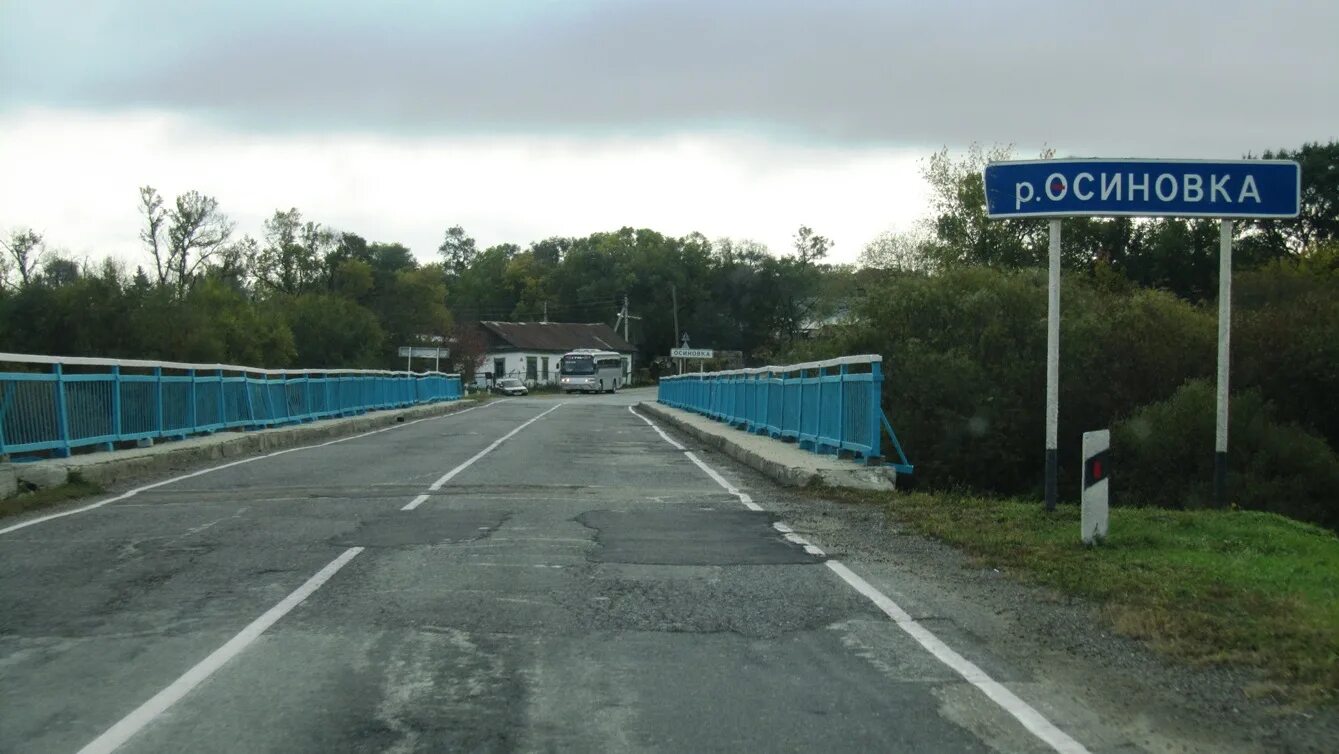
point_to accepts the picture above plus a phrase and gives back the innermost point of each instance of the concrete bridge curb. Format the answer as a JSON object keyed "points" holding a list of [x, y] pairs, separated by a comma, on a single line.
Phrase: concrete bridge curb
{"points": [[119, 466], [782, 462]]}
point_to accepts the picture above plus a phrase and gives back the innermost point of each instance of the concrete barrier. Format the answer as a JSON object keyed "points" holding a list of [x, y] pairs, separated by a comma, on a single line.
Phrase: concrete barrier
{"points": [[120, 466], [9, 483]]}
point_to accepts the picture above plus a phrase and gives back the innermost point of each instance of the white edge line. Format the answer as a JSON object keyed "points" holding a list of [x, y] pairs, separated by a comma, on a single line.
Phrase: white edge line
{"points": [[712, 473], [199, 472], [437, 485], [144, 714], [663, 436], [1031, 719]]}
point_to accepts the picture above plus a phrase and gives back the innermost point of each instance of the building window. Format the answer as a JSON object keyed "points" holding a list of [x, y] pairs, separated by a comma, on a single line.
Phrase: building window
{"points": [[544, 368], [531, 368], [499, 368]]}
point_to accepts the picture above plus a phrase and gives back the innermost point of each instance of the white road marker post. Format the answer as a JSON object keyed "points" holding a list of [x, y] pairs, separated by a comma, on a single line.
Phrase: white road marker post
{"points": [[1224, 347], [1053, 367], [1094, 515]]}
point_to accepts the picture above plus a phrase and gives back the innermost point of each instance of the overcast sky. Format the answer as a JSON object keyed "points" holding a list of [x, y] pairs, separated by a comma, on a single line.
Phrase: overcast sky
{"points": [[522, 119]]}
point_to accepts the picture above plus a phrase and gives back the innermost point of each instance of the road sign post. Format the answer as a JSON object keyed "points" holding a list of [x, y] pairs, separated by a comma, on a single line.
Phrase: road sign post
{"points": [[1141, 188], [1224, 343], [424, 352], [1053, 368], [701, 354]]}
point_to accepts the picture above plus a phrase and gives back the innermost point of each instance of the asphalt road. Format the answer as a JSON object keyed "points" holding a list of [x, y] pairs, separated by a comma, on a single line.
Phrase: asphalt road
{"points": [[581, 586]]}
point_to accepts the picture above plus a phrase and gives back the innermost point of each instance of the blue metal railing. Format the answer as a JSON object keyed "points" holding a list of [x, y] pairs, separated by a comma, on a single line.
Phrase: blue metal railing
{"points": [[825, 406], [72, 402]]}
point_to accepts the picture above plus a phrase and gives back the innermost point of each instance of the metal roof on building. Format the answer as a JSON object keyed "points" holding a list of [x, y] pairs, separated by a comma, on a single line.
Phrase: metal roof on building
{"points": [[559, 337]]}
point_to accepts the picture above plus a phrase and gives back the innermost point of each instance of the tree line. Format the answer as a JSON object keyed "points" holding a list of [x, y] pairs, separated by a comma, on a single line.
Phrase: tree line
{"points": [[306, 295]]}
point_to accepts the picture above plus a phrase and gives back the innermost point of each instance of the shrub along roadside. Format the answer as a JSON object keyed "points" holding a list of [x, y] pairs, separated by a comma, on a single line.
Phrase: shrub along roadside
{"points": [[1239, 587], [1159, 457]]}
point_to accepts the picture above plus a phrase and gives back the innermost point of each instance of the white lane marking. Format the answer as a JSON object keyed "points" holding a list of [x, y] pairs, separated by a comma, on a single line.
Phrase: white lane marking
{"points": [[437, 485], [657, 429], [137, 490], [144, 714], [1031, 719]]}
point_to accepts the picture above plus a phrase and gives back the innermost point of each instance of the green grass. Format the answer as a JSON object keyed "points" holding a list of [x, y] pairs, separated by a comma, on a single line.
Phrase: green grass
{"points": [[76, 487], [1236, 587]]}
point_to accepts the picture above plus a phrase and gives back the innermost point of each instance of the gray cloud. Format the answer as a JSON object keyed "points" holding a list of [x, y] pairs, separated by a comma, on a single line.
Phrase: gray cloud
{"points": [[1193, 78]]}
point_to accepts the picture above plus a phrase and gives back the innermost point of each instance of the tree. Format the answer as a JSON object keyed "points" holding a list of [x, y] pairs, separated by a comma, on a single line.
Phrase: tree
{"points": [[960, 232], [458, 250], [196, 231], [25, 248], [293, 258], [185, 237], [809, 246], [895, 251], [331, 329], [151, 205], [1318, 220], [59, 271]]}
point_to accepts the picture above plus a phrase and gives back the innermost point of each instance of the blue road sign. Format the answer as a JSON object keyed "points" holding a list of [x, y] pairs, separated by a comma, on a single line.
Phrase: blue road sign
{"points": [[1143, 188]]}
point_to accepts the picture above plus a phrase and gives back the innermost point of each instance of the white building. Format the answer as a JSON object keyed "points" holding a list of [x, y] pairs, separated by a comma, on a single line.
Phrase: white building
{"points": [[530, 351]]}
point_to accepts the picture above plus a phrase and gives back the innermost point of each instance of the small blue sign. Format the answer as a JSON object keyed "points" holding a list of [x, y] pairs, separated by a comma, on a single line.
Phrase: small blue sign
{"points": [[1143, 188]]}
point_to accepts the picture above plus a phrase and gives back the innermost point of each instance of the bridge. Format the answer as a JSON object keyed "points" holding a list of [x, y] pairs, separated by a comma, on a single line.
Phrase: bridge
{"points": [[548, 573]]}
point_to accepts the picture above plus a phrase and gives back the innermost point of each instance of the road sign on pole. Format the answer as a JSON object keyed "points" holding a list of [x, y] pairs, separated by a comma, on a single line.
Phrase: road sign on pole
{"points": [[423, 352], [691, 353], [1141, 188]]}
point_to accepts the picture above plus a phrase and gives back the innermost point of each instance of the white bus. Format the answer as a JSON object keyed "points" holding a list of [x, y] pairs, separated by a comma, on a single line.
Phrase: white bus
{"points": [[590, 371]]}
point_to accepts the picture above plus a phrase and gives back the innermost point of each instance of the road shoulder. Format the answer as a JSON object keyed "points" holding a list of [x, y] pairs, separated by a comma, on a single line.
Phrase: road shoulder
{"points": [[1111, 692]]}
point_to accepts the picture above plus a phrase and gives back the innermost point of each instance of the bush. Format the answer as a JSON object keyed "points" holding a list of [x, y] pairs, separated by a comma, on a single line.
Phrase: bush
{"points": [[1163, 456], [1285, 341]]}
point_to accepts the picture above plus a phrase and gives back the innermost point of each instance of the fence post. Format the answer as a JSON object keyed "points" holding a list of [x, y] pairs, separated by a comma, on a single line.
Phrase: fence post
{"points": [[269, 400], [800, 407], [223, 402], [62, 414], [250, 407], [841, 408], [158, 399], [116, 407], [192, 421], [875, 409]]}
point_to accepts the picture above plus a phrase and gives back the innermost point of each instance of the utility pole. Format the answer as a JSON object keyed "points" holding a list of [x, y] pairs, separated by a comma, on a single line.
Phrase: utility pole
{"points": [[624, 316], [674, 299], [546, 312]]}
